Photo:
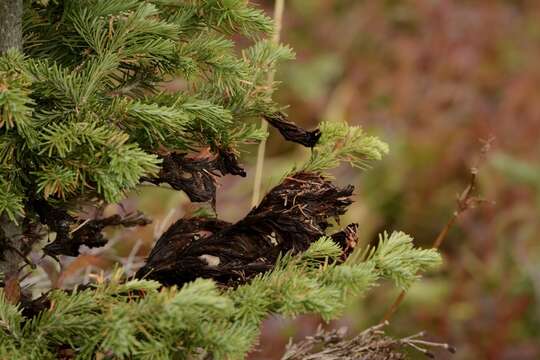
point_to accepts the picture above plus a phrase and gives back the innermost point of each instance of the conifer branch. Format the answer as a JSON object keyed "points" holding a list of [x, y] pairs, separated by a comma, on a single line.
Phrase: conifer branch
{"points": [[134, 317]]}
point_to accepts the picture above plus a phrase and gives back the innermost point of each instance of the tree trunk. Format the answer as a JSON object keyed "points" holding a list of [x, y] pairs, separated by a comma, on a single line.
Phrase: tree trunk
{"points": [[10, 25], [11, 234]]}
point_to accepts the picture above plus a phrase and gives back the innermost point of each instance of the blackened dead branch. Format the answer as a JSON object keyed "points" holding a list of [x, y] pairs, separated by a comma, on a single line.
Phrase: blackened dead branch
{"points": [[196, 175], [290, 218], [293, 132], [347, 239], [70, 237]]}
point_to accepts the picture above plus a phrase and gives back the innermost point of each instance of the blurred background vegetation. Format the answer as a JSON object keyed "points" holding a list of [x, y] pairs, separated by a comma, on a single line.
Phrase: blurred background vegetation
{"points": [[436, 80]]}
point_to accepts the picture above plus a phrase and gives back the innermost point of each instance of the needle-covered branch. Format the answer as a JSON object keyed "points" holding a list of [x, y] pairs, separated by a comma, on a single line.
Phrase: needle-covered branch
{"points": [[137, 317]]}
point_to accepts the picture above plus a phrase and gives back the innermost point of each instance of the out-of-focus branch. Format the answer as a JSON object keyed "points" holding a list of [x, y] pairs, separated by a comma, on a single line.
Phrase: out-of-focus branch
{"points": [[465, 201], [371, 344]]}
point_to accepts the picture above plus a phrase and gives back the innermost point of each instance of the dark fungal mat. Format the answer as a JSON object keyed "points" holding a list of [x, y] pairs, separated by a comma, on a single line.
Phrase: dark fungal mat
{"points": [[290, 218]]}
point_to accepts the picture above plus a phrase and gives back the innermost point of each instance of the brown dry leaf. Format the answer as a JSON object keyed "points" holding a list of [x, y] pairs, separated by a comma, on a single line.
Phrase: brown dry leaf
{"points": [[80, 264], [12, 288]]}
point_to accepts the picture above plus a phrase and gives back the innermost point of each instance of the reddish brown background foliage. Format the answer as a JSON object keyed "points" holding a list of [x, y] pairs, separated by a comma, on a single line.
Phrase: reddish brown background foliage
{"points": [[435, 79]]}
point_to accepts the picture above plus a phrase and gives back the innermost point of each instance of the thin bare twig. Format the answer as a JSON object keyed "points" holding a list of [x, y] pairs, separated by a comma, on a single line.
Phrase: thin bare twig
{"points": [[465, 201], [279, 7], [372, 343]]}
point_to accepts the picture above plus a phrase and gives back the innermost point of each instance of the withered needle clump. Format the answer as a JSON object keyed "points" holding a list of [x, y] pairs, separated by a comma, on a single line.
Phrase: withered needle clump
{"points": [[196, 175], [293, 132], [291, 216]]}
